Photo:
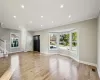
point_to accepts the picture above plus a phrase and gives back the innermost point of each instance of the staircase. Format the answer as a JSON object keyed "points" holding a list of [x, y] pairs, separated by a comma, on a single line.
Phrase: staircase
{"points": [[3, 51]]}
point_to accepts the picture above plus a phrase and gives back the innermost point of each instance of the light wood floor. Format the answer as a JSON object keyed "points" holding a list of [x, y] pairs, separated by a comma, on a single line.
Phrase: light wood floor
{"points": [[34, 66], [4, 65]]}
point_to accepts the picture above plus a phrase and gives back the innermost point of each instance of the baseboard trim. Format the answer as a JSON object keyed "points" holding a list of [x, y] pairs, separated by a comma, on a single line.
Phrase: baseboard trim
{"points": [[88, 63], [98, 72], [70, 57], [83, 62], [14, 52], [48, 53]]}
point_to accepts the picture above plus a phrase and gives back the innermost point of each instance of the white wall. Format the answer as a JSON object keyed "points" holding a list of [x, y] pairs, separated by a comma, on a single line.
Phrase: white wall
{"points": [[98, 45], [5, 35], [87, 40], [44, 38], [29, 42], [25, 39]]}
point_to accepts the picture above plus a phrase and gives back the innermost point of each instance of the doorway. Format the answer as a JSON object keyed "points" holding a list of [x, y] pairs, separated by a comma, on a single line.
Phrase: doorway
{"points": [[36, 43]]}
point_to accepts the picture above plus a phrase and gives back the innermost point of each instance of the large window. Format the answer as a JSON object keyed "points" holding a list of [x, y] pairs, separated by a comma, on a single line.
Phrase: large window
{"points": [[53, 41], [74, 40], [14, 40], [68, 40], [64, 40]]}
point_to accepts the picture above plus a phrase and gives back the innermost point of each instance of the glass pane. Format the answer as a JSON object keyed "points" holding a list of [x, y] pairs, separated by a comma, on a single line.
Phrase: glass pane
{"points": [[53, 41], [74, 36], [74, 44], [64, 40], [61, 40], [14, 40]]}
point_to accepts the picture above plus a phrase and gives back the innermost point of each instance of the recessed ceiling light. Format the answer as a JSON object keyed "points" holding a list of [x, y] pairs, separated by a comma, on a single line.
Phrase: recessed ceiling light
{"points": [[14, 17], [69, 16], [62, 5], [30, 22], [41, 25], [22, 6], [41, 16], [52, 22]]}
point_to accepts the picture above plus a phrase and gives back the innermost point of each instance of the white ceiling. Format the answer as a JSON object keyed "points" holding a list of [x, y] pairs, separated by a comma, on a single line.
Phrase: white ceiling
{"points": [[30, 16]]}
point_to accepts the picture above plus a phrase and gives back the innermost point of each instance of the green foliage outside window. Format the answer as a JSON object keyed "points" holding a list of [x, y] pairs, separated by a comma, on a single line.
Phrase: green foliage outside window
{"points": [[64, 39], [74, 39], [74, 44], [74, 36]]}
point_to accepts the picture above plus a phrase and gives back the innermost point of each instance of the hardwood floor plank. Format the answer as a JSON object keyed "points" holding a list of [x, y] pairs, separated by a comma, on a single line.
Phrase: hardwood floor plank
{"points": [[33, 66], [4, 65]]}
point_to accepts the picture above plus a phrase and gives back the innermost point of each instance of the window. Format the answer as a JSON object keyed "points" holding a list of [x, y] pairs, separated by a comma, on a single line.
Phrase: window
{"points": [[14, 40], [64, 41], [53, 41], [74, 40], [67, 41]]}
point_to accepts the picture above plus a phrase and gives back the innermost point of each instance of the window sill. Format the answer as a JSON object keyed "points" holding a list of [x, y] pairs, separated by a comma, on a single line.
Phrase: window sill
{"points": [[65, 48]]}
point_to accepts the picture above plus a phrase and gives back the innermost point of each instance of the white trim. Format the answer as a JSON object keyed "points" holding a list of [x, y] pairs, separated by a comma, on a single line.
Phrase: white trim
{"points": [[52, 53], [98, 72], [70, 57], [75, 30], [14, 52], [83, 62], [46, 53], [88, 63], [29, 50], [43, 52]]}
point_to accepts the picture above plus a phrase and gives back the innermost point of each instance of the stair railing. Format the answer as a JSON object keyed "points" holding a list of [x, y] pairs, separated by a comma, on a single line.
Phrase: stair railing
{"points": [[3, 47]]}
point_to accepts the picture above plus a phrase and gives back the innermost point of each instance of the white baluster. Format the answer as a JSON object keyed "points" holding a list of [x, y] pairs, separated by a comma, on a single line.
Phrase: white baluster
{"points": [[5, 51]]}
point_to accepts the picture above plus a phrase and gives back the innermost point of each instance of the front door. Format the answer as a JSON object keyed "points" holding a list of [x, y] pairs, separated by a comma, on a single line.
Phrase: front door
{"points": [[36, 43]]}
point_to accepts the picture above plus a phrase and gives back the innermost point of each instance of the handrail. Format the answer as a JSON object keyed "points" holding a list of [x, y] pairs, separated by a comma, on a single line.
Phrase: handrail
{"points": [[1, 40]]}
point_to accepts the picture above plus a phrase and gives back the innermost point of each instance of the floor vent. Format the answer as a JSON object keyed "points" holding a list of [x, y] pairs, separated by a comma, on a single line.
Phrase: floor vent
{"points": [[93, 70]]}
